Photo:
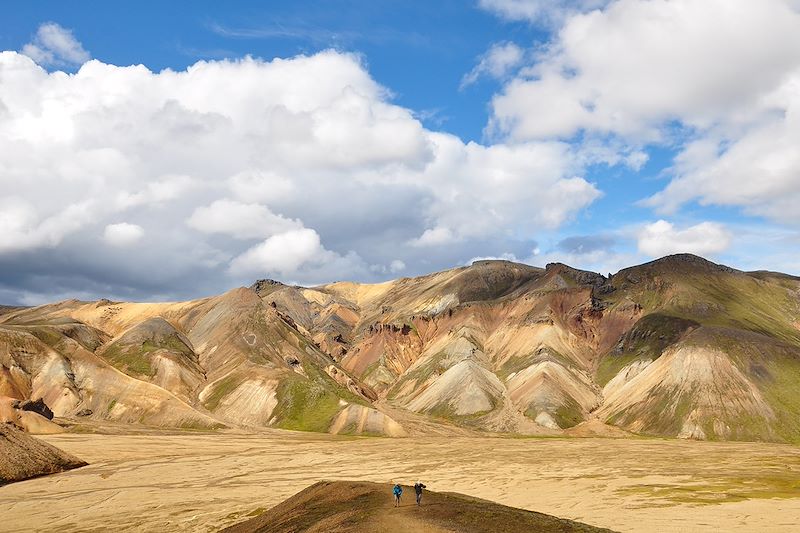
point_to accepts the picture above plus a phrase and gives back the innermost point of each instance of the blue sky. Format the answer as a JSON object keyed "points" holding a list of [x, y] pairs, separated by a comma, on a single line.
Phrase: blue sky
{"points": [[370, 140], [419, 51]]}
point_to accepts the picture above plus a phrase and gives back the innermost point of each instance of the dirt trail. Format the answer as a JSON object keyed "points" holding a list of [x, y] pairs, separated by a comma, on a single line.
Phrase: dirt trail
{"points": [[201, 482]]}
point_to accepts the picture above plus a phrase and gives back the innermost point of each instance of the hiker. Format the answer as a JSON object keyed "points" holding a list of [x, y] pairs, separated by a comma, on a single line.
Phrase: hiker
{"points": [[398, 491], [418, 486]]}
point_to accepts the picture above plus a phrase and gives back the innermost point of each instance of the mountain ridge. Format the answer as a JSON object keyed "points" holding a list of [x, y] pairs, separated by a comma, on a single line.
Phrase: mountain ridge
{"points": [[495, 346]]}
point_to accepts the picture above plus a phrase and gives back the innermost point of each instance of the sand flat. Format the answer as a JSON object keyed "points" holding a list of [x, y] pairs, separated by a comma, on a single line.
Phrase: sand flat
{"points": [[200, 482]]}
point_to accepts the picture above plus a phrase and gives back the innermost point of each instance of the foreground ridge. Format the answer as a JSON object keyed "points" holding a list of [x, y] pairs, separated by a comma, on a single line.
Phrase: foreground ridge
{"points": [[360, 507]]}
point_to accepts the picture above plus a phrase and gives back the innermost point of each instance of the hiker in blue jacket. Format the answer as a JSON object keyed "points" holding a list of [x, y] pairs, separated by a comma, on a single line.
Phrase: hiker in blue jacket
{"points": [[398, 491]]}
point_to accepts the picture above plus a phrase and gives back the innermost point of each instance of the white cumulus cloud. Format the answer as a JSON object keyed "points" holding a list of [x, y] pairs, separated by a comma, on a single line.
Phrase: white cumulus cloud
{"points": [[433, 237], [637, 73], [663, 238], [639, 64], [291, 253], [226, 155], [239, 220], [55, 46], [497, 62], [549, 12], [758, 170], [123, 234], [25, 227], [282, 254], [397, 266]]}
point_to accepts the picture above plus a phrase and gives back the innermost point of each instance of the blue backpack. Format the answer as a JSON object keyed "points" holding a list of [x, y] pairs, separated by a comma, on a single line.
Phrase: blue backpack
{"points": [[398, 490]]}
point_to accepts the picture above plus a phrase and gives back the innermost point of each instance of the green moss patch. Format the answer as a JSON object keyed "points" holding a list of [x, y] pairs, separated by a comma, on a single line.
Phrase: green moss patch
{"points": [[136, 359], [711, 492], [569, 414], [221, 389], [132, 360], [304, 405], [774, 367]]}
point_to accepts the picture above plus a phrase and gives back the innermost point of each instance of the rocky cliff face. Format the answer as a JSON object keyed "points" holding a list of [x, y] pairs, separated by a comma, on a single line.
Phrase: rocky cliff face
{"points": [[677, 347]]}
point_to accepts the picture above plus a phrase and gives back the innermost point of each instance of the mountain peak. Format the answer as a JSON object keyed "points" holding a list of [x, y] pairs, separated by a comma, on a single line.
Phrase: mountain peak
{"points": [[580, 277], [262, 287], [679, 263], [489, 262]]}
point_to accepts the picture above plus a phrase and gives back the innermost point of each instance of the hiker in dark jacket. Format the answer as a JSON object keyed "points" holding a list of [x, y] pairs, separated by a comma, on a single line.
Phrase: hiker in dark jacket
{"points": [[418, 486], [398, 491]]}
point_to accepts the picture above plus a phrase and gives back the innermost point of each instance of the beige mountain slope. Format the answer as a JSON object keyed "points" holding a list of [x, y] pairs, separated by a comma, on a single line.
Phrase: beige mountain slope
{"points": [[497, 345], [507, 347], [155, 350], [678, 347], [227, 360]]}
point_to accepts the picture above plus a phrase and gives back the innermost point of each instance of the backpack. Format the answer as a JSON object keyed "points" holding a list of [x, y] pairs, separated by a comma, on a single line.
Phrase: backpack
{"points": [[398, 490]]}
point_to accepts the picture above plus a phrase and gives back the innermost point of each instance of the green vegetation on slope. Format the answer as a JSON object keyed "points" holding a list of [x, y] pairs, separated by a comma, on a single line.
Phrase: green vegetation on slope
{"points": [[713, 297], [133, 360], [221, 389], [136, 359], [773, 366], [646, 340], [569, 414], [311, 403], [447, 412], [733, 414], [741, 302], [305, 405]]}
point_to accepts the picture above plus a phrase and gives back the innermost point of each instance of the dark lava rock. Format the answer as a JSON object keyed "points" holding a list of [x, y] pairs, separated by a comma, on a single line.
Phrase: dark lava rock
{"points": [[37, 406], [265, 286]]}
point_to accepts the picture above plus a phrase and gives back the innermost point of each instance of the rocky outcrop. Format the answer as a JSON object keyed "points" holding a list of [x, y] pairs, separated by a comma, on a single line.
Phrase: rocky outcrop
{"points": [[27, 420], [263, 287], [23, 457], [36, 406]]}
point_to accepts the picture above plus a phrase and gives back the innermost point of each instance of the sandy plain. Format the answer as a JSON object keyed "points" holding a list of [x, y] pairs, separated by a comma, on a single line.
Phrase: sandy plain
{"points": [[203, 481]]}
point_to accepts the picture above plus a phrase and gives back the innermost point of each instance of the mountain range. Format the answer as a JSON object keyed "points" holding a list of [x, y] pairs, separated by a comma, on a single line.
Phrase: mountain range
{"points": [[678, 347]]}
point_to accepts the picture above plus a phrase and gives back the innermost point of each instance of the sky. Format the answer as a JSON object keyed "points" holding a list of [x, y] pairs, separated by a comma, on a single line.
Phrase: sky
{"points": [[172, 150]]}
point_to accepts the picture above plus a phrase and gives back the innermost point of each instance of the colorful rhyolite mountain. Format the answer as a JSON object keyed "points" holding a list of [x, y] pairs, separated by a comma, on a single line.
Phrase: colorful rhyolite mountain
{"points": [[678, 347]]}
